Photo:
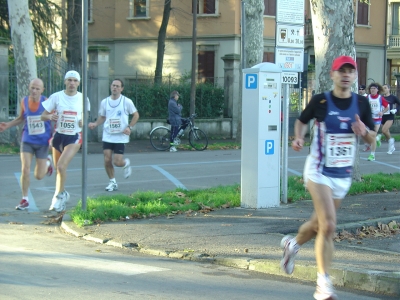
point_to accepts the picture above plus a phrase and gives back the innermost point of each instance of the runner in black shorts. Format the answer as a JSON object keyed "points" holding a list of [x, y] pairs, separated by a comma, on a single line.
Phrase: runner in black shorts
{"points": [[388, 117]]}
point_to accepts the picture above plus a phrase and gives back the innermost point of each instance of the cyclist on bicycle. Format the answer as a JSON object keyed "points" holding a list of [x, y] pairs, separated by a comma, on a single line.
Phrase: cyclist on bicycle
{"points": [[174, 117]]}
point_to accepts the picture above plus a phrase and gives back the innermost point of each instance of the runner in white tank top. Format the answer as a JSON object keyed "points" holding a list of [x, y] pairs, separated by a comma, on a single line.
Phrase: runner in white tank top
{"points": [[65, 108], [114, 113]]}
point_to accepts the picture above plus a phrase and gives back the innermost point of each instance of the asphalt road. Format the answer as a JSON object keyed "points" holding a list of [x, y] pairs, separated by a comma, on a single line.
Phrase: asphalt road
{"points": [[40, 262], [158, 171]]}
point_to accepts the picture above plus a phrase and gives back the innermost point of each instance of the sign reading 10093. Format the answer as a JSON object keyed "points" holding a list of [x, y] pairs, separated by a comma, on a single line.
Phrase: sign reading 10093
{"points": [[289, 78]]}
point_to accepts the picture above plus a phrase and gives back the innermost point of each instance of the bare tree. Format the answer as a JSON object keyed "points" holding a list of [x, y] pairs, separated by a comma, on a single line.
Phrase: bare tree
{"points": [[254, 45], [162, 34]]}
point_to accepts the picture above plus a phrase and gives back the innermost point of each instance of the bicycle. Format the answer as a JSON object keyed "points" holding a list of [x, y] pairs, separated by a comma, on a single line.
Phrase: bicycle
{"points": [[160, 136]]}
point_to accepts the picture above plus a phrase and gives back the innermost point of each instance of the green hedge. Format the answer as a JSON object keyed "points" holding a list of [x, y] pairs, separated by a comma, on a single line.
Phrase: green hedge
{"points": [[152, 100]]}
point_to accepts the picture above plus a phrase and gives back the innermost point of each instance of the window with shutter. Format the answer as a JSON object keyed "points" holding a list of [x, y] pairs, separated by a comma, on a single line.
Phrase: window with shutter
{"points": [[362, 13], [205, 67], [269, 57], [269, 7], [206, 7], [362, 70]]}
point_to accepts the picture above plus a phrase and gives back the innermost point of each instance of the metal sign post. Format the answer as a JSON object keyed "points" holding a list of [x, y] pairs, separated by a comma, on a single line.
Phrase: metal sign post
{"points": [[84, 93], [289, 56]]}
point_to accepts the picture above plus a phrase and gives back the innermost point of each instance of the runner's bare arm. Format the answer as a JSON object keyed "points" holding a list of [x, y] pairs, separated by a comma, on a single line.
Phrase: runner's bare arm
{"points": [[300, 130]]}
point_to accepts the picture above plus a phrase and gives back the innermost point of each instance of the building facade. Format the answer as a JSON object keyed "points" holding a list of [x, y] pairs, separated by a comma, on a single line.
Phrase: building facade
{"points": [[129, 28]]}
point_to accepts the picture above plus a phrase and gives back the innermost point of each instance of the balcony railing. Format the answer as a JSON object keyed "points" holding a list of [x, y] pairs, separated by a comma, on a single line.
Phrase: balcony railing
{"points": [[394, 41]]}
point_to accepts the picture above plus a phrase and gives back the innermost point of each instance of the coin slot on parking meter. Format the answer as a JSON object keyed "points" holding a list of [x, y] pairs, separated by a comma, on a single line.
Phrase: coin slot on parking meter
{"points": [[261, 129]]}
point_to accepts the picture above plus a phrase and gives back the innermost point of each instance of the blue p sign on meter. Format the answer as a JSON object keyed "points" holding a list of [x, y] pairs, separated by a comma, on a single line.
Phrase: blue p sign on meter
{"points": [[289, 78], [251, 81]]}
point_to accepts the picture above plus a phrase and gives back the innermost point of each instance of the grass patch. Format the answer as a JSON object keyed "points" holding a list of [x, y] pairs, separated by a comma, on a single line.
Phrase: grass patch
{"points": [[9, 149], [376, 183], [145, 204]]}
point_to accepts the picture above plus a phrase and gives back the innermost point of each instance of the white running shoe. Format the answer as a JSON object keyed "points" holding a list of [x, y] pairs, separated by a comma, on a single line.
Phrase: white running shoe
{"points": [[287, 262], [127, 168], [325, 290], [391, 146], [172, 149], [60, 202], [112, 186]]}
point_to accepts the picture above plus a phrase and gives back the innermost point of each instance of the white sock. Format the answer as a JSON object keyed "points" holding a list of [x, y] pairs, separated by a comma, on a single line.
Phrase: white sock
{"points": [[373, 153], [113, 180], [26, 198], [126, 163]]}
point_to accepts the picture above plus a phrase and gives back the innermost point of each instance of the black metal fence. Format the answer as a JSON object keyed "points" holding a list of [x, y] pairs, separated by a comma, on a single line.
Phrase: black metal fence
{"points": [[51, 69]]}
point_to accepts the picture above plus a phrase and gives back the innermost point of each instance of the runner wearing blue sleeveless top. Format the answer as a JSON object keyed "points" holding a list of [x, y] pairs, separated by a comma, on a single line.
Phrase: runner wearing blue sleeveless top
{"points": [[33, 131], [340, 116], [35, 139]]}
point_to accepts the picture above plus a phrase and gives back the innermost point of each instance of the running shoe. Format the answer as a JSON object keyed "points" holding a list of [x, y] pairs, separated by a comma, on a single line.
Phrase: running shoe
{"points": [[50, 167], [172, 149], [325, 290], [127, 168], [366, 148], [371, 157], [112, 186], [378, 140], [287, 262], [391, 146], [61, 201], [23, 204]]}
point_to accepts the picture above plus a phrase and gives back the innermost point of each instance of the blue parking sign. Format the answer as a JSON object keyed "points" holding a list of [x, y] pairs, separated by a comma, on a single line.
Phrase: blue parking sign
{"points": [[251, 81], [269, 147]]}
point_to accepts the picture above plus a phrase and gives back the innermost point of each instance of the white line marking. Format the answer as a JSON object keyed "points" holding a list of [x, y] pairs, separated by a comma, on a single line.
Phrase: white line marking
{"points": [[32, 204], [173, 179], [382, 163]]}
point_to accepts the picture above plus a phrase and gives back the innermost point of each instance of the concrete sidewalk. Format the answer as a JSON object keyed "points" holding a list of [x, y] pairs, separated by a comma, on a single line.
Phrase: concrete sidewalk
{"points": [[250, 239]]}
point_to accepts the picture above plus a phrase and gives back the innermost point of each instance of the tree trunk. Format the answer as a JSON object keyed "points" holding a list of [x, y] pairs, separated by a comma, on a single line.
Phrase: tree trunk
{"points": [[254, 45], [74, 34], [23, 45], [161, 42], [24, 50], [333, 36]]}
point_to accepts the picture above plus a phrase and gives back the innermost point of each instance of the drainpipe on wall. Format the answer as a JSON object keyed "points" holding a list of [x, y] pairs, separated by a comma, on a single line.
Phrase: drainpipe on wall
{"points": [[386, 44]]}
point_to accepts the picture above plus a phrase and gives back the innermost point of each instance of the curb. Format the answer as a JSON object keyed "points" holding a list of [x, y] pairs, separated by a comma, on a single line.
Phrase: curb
{"points": [[360, 279]]}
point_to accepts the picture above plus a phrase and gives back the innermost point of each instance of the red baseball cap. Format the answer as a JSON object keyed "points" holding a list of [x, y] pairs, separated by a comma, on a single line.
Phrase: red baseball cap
{"points": [[343, 60]]}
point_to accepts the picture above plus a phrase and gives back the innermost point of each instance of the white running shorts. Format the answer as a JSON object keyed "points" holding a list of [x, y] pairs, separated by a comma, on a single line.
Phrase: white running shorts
{"points": [[339, 186]]}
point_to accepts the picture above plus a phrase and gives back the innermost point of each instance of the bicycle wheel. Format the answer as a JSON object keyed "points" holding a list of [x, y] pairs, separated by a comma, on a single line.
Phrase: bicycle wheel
{"points": [[159, 138], [198, 139]]}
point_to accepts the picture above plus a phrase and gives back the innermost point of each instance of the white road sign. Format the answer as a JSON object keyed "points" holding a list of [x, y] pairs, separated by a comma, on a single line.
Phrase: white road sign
{"points": [[290, 11], [290, 59], [291, 36], [289, 78]]}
